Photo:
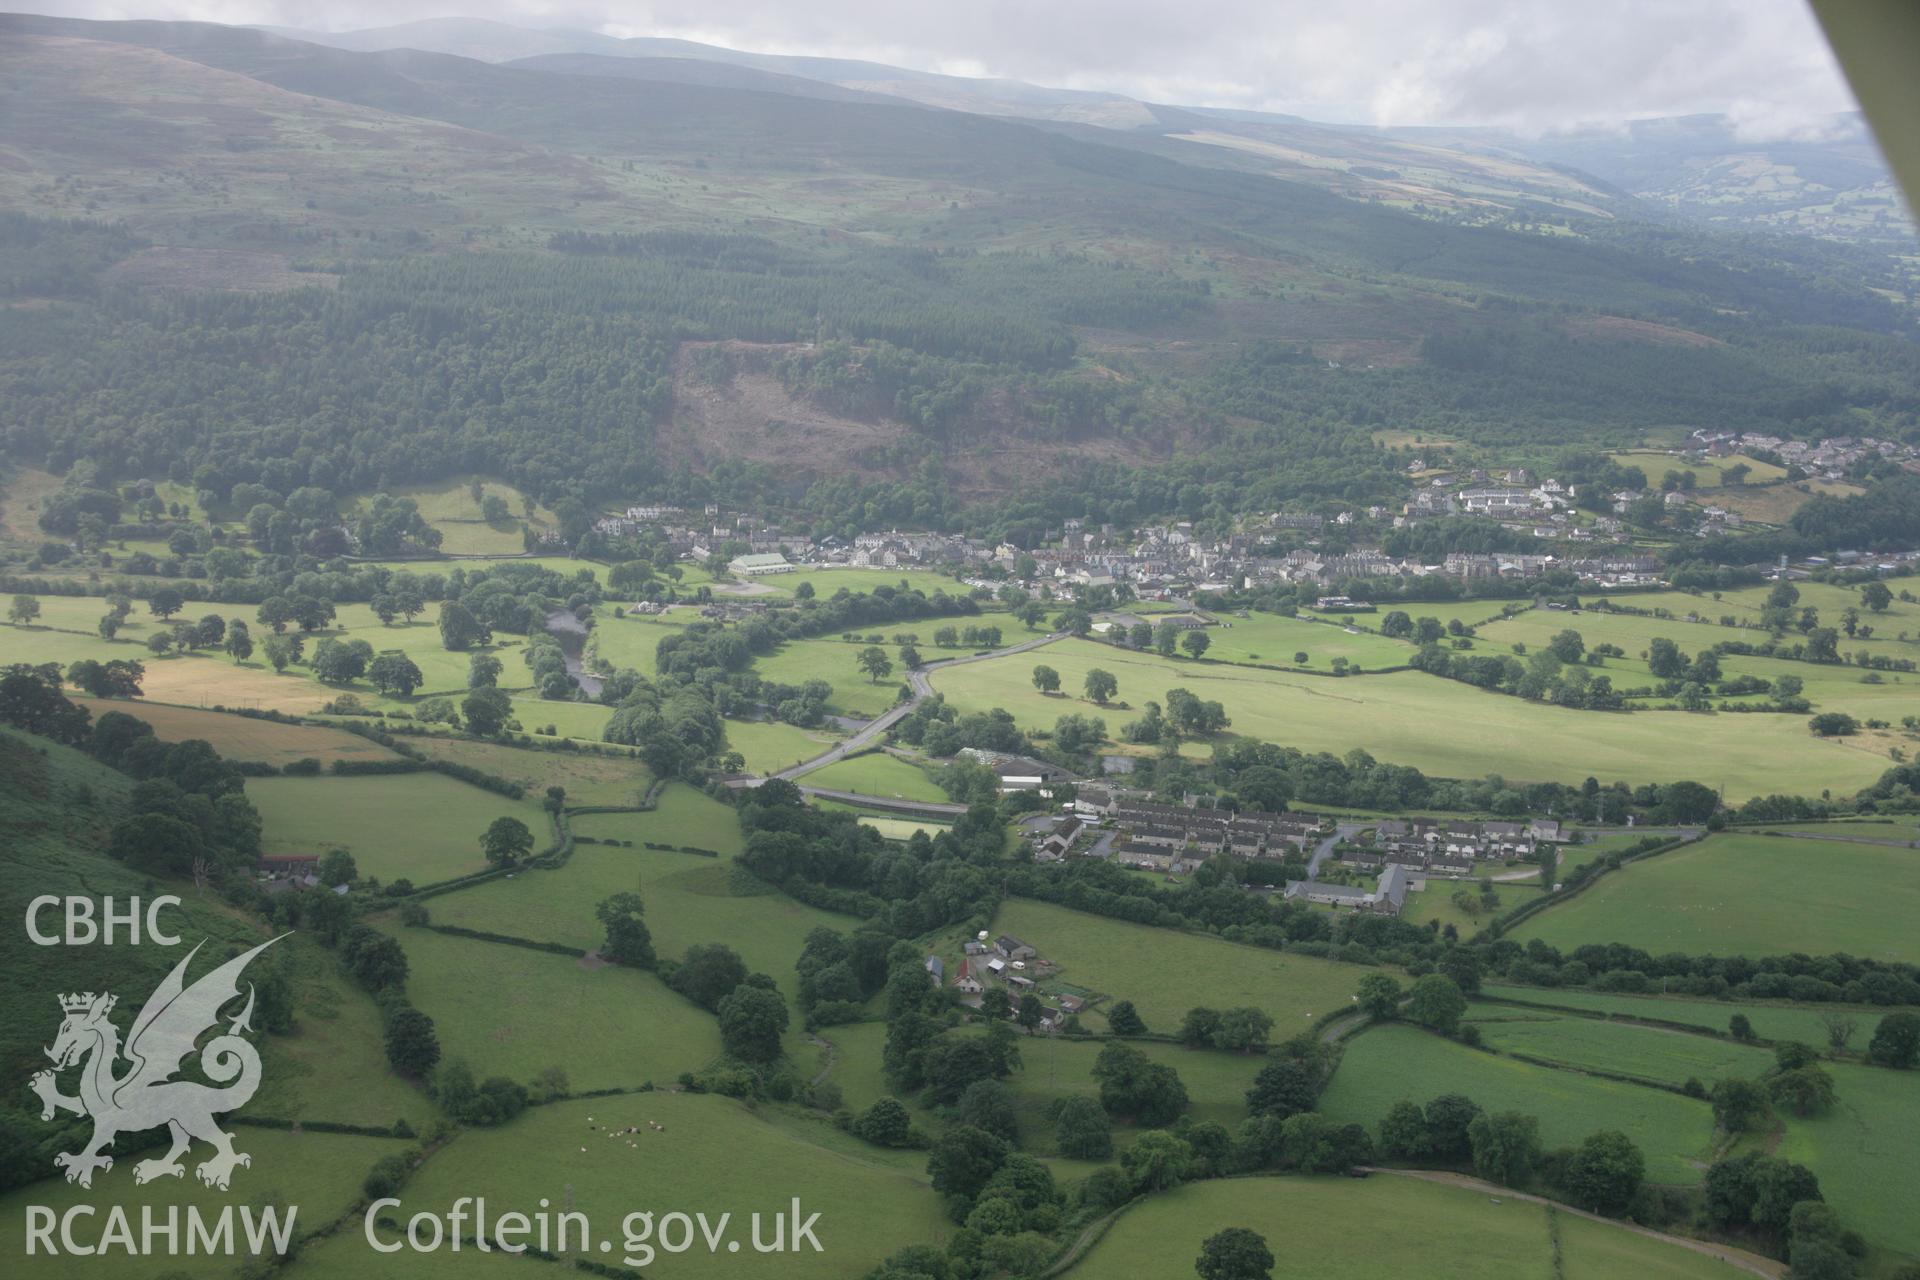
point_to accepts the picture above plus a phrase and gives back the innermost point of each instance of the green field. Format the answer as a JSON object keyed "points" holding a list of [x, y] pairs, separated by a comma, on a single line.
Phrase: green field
{"points": [[1855, 829], [1055, 1067], [1435, 902], [588, 779], [1707, 474], [1393, 1063], [583, 720], [1166, 973], [1745, 603], [681, 815], [319, 1173], [711, 1155], [1622, 1048], [1272, 640], [634, 641], [1863, 1152], [449, 507], [902, 828], [515, 1012], [242, 737], [837, 662], [878, 774], [1749, 895], [208, 678], [1770, 1021], [1428, 1229], [1442, 727], [1829, 686], [690, 899], [421, 826], [1051, 1068], [1860, 1150], [332, 1065], [770, 745], [827, 581], [345, 1255]]}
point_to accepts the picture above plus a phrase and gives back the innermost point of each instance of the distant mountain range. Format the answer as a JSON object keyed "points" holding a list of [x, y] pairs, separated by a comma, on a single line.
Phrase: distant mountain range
{"points": [[1699, 167]]}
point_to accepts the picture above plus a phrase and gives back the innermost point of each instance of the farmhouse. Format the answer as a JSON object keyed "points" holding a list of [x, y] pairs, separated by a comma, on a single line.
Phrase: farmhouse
{"points": [[278, 873], [1053, 846]]}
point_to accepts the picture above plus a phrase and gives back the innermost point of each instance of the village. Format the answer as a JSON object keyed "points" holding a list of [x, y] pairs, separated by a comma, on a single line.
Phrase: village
{"points": [[1570, 532], [1178, 839]]}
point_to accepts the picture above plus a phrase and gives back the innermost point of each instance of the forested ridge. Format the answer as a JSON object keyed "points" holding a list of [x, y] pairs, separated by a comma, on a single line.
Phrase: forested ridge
{"points": [[1167, 339]]}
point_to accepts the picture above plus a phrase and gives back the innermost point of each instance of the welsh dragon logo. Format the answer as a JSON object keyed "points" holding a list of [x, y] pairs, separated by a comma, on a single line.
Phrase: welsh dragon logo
{"points": [[146, 1095]]}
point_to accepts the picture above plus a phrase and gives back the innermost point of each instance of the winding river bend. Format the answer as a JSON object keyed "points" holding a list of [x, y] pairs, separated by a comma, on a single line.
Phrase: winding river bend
{"points": [[572, 635]]}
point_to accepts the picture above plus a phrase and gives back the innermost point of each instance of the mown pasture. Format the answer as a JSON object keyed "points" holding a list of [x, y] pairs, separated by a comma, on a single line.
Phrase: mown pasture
{"points": [[1709, 473], [515, 1012], [424, 827], [690, 899], [1620, 1048], [1166, 973], [1753, 895], [209, 678], [1435, 902], [1864, 693], [837, 661], [243, 737], [332, 1066], [633, 642], [588, 779], [826, 581], [902, 828], [711, 1154], [1862, 1151], [1395, 1063], [1803, 1022], [319, 1173], [1430, 1229], [1272, 640], [878, 774], [770, 745], [1442, 727]]}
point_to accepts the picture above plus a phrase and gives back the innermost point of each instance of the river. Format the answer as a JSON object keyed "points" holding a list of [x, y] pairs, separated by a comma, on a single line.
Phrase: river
{"points": [[572, 635]]}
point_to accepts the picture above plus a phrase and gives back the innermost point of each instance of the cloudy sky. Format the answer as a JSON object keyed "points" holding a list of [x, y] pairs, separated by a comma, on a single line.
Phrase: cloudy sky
{"points": [[1530, 64]]}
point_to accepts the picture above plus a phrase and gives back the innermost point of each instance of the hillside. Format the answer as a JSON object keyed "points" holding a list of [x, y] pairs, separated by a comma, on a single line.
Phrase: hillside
{"points": [[1002, 305], [1707, 168], [56, 808]]}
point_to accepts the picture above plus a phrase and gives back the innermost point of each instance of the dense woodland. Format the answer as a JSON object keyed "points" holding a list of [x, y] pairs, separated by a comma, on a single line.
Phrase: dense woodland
{"points": [[553, 369]]}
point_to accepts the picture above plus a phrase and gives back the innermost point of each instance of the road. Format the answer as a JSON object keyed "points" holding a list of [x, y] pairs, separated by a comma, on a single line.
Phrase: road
{"points": [[922, 688], [1324, 850]]}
